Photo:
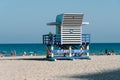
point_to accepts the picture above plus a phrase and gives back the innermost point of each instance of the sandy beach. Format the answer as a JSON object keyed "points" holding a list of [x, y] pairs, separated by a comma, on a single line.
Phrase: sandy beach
{"points": [[98, 68]]}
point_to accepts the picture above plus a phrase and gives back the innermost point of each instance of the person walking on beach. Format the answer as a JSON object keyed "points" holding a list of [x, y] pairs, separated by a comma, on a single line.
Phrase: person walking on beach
{"points": [[13, 53], [106, 51]]}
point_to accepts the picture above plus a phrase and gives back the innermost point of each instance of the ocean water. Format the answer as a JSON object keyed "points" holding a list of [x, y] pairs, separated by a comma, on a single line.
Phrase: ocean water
{"points": [[20, 48], [98, 48], [95, 48]]}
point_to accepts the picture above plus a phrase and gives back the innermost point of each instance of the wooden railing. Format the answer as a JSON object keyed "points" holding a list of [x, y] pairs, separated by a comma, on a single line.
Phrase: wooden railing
{"points": [[56, 39]]}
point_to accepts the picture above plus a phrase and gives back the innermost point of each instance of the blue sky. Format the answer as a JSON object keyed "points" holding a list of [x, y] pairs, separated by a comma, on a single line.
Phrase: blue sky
{"points": [[24, 21]]}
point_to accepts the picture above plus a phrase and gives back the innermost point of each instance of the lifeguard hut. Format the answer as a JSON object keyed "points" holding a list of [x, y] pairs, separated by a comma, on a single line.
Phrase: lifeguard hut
{"points": [[68, 42]]}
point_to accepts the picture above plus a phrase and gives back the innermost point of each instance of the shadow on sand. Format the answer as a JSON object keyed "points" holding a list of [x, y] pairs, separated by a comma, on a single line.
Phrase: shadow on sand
{"points": [[108, 75], [33, 59]]}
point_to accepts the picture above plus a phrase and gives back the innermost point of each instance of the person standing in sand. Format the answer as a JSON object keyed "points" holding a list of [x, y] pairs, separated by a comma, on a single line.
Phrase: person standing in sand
{"points": [[24, 54]]}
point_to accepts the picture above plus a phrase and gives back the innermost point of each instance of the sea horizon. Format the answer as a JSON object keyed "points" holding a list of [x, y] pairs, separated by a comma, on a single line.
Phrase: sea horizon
{"points": [[42, 43]]}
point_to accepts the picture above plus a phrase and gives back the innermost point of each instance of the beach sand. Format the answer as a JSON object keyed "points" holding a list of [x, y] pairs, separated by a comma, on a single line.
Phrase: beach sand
{"points": [[98, 68]]}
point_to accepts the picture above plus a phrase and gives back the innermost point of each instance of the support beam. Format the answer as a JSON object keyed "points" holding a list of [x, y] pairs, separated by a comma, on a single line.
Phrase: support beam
{"points": [[70, 48]]}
